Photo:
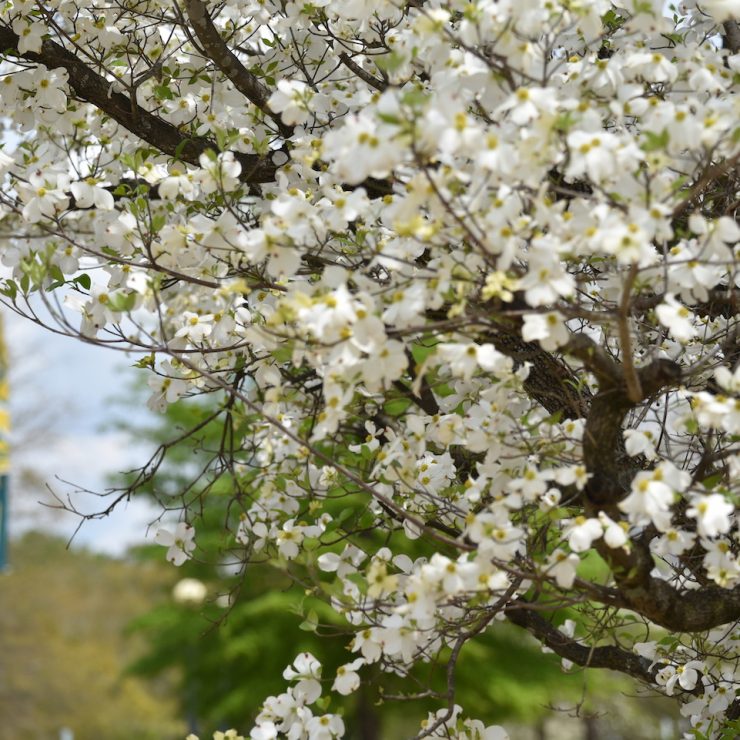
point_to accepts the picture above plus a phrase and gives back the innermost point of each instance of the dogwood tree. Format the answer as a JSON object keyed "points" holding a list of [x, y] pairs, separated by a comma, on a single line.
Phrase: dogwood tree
{"points": [[465, 277]]}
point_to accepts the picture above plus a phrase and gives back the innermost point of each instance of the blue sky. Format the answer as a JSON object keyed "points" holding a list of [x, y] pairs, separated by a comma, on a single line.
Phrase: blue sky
{"points": [[71, 387]]}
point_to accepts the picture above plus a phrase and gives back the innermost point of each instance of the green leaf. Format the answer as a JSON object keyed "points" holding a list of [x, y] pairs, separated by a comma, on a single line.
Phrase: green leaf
{"points": [[122, 301], [10, 289], [396, 407], [83, 281], [611, 20], [180, 147], [710, 482], [158, 221], [415, 98], [35, 271], [554, 418], [311, 623], [146, 361], [653, 142], [56, 274], [389, 62], [389, 118], [163, 92], [691, 425], [564, 121]]}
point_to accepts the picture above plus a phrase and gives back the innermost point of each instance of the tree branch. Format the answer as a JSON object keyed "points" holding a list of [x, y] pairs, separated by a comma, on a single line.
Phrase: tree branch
{"points": [[91, 87], [731, 36], [603, 446], [682, 611], [634, 391], [357, 70], [550, 381], [607, 656], [217, 50], [710, 175], [721, 301], [603, 443]]}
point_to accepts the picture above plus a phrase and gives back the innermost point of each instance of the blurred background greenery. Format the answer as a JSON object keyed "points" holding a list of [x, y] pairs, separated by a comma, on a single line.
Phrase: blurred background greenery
{"points": [[65, 646]]}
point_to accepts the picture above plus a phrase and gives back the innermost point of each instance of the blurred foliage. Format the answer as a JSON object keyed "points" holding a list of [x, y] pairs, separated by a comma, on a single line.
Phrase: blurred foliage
{"points": [[63, 648]]}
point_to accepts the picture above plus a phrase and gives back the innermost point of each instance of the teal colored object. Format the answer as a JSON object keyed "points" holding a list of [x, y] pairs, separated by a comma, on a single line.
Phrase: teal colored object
{"points": [[4, 448], [3, 522]]}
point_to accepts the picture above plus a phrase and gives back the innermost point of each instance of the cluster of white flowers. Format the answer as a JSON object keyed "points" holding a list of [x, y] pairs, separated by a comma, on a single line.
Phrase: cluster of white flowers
{"points": [[289, 714], [434, 255], [707, 680]]}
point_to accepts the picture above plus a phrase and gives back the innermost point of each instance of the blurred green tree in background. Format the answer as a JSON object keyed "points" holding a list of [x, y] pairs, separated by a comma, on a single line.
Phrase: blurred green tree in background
{"points": [[64, 647]]}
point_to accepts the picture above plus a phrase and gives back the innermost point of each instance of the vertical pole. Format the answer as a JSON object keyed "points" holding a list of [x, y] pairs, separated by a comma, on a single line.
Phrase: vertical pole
{"points": [[3, 522], [4, 448]]}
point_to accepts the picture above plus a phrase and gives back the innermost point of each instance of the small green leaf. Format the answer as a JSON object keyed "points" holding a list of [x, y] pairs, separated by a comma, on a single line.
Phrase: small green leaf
{"points": [[415, 98], [83, 281], [56, 274], [564, 121], [389, 62], [311, 622], [653, 142], [145, 362], [389, 118], [692, 426], [9, 290], [122, 301], [158, 221], [710, 482], [163, 92], [180, 147]]}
